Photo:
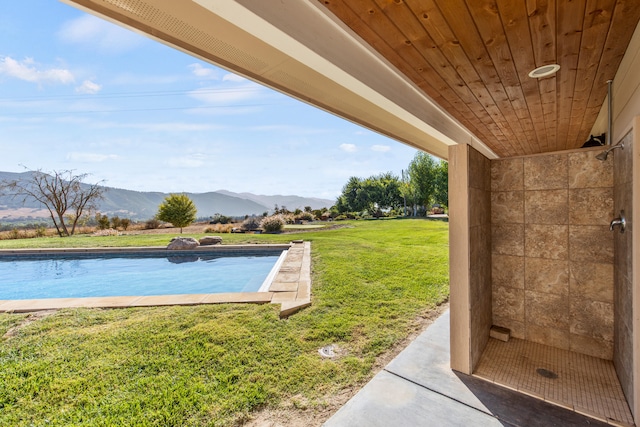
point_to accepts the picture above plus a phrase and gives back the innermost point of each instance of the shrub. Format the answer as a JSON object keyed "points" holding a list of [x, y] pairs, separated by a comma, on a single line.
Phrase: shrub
{"points": [[102, 221], [152, 224], [85, 230], [14, 234], [272, 224], [116, 222], [251, 223], [288, 218], [220, 219], [219, 228], [40, 231], [106, 232], [305, 216]]}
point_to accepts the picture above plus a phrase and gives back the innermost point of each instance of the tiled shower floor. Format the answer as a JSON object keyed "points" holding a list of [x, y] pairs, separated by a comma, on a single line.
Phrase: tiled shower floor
{"points": [[582, 383]]}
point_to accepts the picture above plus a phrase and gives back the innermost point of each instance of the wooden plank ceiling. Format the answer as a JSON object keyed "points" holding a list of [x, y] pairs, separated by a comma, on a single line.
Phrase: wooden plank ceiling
{"points": [[473, 58]]}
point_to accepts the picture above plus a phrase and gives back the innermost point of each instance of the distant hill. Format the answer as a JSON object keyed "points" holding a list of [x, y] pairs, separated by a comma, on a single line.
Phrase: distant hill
{"points": [[141, 205], [290, 202]]}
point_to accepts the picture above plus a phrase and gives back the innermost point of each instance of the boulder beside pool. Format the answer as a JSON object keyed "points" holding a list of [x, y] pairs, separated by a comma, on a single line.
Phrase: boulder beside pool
{"points": [[210, 240], [183, 243]]}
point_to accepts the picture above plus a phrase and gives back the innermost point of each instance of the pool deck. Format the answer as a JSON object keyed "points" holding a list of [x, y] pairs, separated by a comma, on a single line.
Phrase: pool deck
{"points": [[291, 286]]}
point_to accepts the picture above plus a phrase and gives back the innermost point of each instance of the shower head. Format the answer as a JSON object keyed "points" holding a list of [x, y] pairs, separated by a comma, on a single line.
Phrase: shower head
{"points": [[603, 156]]}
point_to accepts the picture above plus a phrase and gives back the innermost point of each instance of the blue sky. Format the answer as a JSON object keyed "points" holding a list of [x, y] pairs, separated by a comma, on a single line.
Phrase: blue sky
{"points": [[79, 93]]}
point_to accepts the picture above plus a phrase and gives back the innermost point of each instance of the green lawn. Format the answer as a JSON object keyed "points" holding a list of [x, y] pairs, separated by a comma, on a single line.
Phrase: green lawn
{"points": [[305, 226], [217, 364]]}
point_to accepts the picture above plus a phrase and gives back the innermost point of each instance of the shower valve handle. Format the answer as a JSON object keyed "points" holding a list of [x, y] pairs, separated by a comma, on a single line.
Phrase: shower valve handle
{"points": [[618, 222]]}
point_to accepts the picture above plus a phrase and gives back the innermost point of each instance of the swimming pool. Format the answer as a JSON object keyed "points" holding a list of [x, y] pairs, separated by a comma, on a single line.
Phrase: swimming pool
{"points": [[75, 275]]}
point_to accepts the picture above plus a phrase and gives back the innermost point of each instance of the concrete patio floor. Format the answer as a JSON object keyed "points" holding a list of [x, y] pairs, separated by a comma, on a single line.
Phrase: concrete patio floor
{"points": [[418, 388]]}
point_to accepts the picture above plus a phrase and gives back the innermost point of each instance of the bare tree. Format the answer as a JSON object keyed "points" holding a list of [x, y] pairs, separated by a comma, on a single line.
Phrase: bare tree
{"points": [[61, 192]]}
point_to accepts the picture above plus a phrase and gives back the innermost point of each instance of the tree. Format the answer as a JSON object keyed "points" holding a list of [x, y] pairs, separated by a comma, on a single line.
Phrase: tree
{"points": [[61, 192], [353, 197], [125, 223], [116, 222], [407, 192], [371, 194], [441, 193], [177, 209], [102, 221], [422, 175], [390, 194]]}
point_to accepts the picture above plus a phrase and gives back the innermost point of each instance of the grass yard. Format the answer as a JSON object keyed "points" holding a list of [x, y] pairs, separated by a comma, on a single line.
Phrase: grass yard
{"points": [[312, 226], [222, 365]]}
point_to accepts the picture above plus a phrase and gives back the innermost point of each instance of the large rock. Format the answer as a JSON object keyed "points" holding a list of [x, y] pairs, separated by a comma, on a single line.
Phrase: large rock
{"points": [[182, 243], [210, 240]]}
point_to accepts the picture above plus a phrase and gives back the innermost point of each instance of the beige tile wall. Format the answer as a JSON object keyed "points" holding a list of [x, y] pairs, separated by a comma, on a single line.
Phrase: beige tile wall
{"points": [[623, 289], [552, 252], [479, 252]]}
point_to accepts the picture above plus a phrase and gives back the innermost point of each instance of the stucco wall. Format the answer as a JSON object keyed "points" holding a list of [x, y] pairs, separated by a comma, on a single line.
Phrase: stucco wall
{"points": [[552, 252], [470, 255]]}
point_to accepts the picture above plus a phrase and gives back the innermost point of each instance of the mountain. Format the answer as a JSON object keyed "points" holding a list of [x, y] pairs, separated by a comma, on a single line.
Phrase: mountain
{"points": [[290, 202], [144, 205], [141, 205]]}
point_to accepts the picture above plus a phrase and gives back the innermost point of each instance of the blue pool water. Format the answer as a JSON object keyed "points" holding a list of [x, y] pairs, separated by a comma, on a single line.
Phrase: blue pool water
{"points": [[67, 276]]}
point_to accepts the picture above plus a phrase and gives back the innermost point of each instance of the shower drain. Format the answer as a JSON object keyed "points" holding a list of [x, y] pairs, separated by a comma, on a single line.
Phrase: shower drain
{"points": [[547, 373]]}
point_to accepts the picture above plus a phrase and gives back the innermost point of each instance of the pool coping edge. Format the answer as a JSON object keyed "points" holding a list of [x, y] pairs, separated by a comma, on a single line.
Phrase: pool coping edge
{"points": [[291, 286]]}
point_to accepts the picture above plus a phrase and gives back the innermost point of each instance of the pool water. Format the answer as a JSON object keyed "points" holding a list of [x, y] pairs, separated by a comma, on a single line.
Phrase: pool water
{"points": [[70, 276]]}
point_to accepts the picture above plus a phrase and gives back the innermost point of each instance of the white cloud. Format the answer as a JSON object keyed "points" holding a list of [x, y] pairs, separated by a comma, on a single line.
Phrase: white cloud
{"points": [[28, 70], [99, 34], [89, 87], [349, 148], [90, 157], [233, 78], [203, 72], [381, 148]]}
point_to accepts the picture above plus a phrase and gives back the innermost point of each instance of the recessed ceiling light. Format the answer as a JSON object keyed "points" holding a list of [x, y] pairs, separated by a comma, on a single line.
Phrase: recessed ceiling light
{"points": [[544, 71]]}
